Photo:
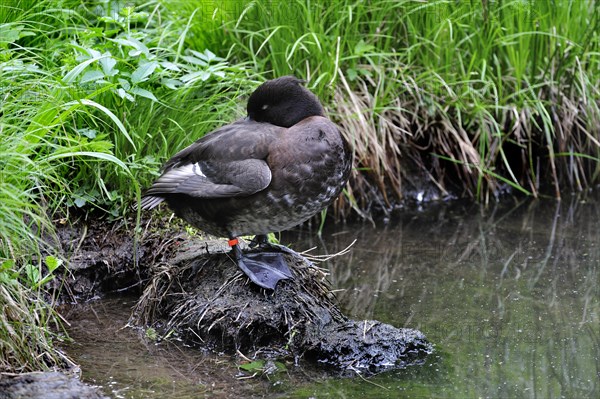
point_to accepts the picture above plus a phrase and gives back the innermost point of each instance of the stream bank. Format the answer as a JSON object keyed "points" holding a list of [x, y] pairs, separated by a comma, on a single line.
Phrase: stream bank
{"points": [[192, 291]]}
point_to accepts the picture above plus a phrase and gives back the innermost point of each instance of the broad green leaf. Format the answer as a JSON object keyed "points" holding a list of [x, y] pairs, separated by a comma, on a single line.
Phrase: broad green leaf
{"points": [[93, 53], [197, 54], [80, 202], [32, 275], [171, 83], [75, 72], [52, 263], [143, 71], [124, 84], [8, 35], [91, 76], [190, 77], [254, 366], [151, 334], [108, 64], [87, 132], [123, 42], [362, 48], [194, 60], [207, 55], [140, 48], [11, 33], [7, 265], [143, 93], [351, 74], [125, 95], [171, 66]]}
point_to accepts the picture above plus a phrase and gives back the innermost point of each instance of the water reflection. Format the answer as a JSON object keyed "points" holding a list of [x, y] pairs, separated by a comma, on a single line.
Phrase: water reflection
{"points": [[510, 295], [128, 366]]}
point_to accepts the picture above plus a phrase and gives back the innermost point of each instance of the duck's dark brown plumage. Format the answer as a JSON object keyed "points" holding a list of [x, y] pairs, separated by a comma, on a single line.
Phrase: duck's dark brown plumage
{"points": [[266, 173]]}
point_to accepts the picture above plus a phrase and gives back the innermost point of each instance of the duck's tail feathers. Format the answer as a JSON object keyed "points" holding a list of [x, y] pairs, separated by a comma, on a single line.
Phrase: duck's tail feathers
{"points": [[150, 201]]}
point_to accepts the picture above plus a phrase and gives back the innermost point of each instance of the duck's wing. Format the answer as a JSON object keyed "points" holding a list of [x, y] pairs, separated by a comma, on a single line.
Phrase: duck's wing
{"points": [[229, 162], [214, 179], [240, 140]]}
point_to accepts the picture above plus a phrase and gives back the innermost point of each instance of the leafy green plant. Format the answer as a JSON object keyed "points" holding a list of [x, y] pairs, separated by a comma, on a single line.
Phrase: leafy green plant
{"points": [[34, 275], [28, 326], [263, 367]]}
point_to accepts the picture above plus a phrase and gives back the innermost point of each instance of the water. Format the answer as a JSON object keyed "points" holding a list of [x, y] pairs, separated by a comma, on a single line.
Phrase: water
{"points": [[509, 295]]}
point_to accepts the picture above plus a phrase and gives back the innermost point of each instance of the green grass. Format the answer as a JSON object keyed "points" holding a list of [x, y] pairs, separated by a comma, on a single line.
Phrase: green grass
{"points": [[477, 97], [92, 99], [29, 326]]}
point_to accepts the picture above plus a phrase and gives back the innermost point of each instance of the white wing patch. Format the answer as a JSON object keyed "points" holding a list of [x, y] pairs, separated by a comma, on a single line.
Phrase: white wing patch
{"points": [[173, 179], [247, 177], [182, 173], [197, 170]]}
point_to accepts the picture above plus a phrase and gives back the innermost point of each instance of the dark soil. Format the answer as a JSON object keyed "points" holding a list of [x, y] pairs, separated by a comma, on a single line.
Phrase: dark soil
{"points": [[105, 258]]}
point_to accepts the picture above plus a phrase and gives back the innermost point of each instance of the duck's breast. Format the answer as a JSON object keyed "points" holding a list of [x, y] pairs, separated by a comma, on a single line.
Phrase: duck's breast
{"points": [[310, 164]]}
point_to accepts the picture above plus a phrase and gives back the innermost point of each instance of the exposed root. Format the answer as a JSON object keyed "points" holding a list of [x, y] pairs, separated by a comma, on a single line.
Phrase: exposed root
{"points": [[325, 258]]}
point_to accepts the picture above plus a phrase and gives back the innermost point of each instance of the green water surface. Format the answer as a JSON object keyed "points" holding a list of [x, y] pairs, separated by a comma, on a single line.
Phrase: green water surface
{"points": [[508, 294]]}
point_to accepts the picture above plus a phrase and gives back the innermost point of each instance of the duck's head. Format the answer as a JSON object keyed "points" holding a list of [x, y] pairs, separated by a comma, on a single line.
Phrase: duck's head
{"points": [[283, 102]]}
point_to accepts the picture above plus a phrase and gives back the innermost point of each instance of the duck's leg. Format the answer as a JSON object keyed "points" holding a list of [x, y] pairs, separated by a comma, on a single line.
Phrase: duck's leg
{"points": [[262, 241], [265, 269], [259, 240]]}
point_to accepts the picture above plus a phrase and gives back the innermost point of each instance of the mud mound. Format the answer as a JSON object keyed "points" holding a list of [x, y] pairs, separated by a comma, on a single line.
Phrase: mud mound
{"points": [[203, 297]]}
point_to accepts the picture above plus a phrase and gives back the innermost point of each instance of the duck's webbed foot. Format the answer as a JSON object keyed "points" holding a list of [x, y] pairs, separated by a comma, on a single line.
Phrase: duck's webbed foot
{"points": [[265, 269]]}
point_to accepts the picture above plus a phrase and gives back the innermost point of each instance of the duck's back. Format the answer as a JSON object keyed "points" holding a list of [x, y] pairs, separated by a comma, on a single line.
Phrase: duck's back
{"points": [[243, 139]]}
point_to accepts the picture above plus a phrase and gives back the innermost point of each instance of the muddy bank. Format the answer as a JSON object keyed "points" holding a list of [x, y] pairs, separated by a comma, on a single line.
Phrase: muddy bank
{"points": [[104, 258], [204, 299], [192, 289]]}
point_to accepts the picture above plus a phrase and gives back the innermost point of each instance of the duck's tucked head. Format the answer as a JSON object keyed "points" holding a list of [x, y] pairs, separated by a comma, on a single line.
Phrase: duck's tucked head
{"points": [[283, 102]]}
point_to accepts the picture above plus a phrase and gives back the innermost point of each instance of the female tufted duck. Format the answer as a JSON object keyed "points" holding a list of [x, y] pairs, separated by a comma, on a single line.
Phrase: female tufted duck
{"points": [[268, 172]]}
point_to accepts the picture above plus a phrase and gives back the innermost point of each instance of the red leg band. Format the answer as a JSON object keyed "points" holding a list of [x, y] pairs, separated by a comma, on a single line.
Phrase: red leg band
{"points": [[233, 241]]}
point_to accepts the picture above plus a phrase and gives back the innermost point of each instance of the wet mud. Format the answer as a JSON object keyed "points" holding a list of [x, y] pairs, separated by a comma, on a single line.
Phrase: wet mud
{"points": [[203, 298], [106, 258]]}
